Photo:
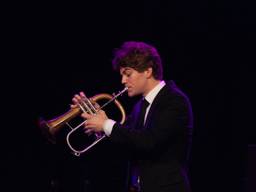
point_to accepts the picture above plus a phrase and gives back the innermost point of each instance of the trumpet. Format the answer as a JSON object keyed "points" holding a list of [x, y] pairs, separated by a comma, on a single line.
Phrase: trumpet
{"points": [[51, 128]]}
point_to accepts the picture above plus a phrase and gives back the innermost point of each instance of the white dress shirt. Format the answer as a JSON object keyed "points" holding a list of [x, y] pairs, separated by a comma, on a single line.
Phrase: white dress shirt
{"points": [[109, 123]]}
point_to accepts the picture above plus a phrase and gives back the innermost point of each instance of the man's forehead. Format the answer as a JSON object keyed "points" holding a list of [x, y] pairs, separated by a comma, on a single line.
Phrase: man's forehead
{"points": [[124, 69]]}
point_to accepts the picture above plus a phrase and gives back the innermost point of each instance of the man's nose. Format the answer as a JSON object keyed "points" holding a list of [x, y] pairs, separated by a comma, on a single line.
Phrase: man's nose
{"points": [[123, 80]]}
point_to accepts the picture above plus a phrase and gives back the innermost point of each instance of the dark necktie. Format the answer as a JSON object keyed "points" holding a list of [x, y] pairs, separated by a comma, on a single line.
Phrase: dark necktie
{"points": [[141, 115], [135, 183]]}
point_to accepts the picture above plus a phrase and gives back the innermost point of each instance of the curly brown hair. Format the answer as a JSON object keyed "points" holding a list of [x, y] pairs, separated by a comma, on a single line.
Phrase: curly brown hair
{"points": [[139, 56]]}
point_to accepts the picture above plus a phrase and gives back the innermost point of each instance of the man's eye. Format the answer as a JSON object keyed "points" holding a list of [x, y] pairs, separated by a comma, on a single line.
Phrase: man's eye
{"points": [[128, 73]]}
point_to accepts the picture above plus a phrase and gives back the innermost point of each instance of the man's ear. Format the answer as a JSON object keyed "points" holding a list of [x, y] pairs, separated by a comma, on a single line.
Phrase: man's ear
{"points": [[149, 72]]}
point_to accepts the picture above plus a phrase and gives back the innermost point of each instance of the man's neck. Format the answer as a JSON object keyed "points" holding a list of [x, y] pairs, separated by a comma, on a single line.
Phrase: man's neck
{"points": [[151, 85]]}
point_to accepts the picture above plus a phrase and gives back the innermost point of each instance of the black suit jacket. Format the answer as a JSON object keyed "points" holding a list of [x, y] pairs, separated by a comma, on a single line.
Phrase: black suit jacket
{"points": [[161, 147]]}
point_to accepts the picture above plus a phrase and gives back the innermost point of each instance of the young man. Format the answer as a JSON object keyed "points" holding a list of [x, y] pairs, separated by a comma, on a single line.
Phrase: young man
{"points": [[157, 145]]}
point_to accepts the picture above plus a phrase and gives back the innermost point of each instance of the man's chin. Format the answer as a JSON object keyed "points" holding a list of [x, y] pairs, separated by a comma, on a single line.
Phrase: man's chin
{"points": [[132, 94]]}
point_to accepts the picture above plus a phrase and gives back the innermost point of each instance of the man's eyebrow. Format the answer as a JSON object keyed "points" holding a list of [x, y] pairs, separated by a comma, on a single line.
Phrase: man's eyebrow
{"points": [[125, 70]]}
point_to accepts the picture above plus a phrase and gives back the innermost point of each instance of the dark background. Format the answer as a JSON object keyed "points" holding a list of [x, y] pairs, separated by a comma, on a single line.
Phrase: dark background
{"points": [[53, 50]]}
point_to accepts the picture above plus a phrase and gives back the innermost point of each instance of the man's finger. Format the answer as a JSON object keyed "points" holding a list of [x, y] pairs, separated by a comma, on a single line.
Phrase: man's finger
{"points": [[86, 115]]}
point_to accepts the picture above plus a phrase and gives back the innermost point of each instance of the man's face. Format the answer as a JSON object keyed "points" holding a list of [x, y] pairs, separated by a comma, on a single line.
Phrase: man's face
{"points": [[134, 80]]}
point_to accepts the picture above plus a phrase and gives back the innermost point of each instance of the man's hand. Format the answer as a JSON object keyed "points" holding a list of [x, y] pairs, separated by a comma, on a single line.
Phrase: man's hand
{"points": [[94, 123]]}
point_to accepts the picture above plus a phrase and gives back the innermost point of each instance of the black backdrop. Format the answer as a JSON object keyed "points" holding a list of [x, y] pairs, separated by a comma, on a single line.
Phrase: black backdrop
{"points": [[54, 50]]}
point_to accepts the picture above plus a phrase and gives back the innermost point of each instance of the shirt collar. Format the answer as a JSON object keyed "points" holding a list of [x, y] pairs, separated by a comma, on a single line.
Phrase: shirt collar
{"points": [[152, 94]]}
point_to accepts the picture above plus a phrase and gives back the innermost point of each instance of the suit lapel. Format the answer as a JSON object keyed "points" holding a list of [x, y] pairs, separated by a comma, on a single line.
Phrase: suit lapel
{"points": [[170, 85], [154, 105]]}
